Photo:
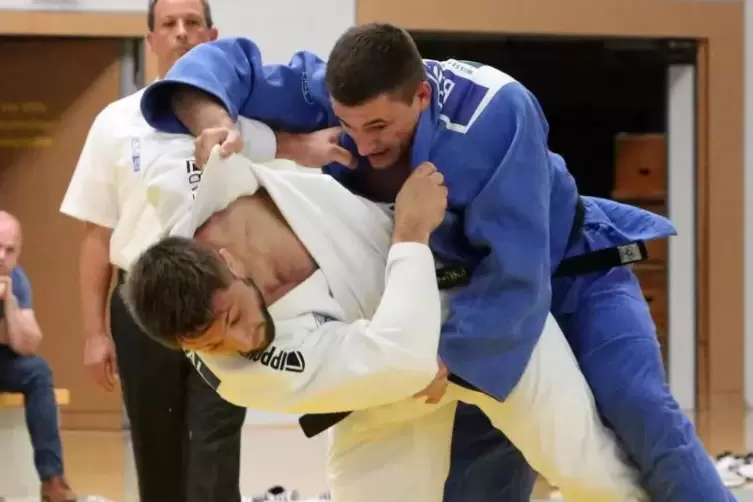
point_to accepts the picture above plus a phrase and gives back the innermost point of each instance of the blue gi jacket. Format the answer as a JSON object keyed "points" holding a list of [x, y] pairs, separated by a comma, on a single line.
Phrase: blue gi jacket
{"points": [[511, 200]]}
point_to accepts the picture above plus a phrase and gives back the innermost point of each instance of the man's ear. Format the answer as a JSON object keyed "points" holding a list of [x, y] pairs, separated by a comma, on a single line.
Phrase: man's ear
{"points": [[235, 265]]}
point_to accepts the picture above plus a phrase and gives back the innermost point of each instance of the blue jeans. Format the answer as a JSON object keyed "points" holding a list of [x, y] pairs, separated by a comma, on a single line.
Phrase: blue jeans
{"points": [[31, 376]]}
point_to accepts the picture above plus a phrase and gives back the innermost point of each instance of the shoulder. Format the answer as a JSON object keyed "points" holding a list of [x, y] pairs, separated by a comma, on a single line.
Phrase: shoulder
{"points": [[484, 112], [486, 102], [21, 287], [19, 276], [115, 115], [127, 104], [466, 91]]}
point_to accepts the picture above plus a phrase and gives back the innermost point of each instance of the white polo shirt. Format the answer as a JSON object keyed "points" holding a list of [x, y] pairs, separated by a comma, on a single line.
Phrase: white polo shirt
{"points": [[108, 186]]}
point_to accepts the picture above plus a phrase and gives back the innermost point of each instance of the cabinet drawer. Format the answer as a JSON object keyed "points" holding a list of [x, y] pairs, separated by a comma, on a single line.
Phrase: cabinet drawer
{"points": [[657, 251], [640, 166], [653, 281]]}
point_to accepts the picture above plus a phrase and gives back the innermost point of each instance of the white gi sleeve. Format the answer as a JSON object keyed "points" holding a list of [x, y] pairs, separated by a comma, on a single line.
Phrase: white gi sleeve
{"points": [[259, 140], [336, 366], [92, 193]]}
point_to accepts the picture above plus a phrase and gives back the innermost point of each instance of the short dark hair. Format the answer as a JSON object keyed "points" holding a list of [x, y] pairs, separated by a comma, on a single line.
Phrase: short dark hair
{"points": [[171, 286], [373, 59], [153, 3]]}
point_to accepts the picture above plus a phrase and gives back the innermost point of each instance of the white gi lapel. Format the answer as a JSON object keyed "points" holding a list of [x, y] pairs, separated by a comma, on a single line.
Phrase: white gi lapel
{"points": [[347, 236]]}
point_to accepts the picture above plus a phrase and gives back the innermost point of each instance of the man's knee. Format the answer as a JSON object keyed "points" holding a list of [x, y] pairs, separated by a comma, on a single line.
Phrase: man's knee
{"points": [[32, 372], [634, 396], [628, 369]]}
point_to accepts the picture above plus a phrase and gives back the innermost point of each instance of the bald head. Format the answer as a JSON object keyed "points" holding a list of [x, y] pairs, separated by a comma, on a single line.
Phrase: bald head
{"points": [[10, 242]]}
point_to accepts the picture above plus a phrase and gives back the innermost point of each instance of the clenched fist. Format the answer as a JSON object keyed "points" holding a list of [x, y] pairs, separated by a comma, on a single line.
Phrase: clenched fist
{"points": [[421, 204], [229, 139]]}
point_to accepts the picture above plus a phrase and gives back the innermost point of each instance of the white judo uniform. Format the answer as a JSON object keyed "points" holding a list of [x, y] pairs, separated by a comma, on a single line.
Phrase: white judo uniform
{"points": [[362, 334]]}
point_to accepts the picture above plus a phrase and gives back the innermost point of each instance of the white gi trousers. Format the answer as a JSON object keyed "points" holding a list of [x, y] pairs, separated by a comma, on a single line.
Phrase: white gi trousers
{"points": [[401, 452]]}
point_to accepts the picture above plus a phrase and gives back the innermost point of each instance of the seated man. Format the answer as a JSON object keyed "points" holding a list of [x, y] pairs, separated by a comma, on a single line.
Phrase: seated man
{"points": [[345, 337], [23, 372]]}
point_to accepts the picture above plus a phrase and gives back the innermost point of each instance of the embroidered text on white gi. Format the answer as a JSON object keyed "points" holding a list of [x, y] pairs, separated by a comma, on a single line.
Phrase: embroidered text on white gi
{"points": [[280, 360], [194, 176]]}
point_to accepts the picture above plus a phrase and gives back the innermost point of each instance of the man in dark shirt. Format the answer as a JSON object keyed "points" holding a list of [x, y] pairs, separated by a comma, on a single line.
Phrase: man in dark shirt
{"points": [[24, 372]]}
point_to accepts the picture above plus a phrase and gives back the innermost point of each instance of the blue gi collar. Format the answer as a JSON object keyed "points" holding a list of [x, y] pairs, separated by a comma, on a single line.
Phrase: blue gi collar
{"points": [[425, 129], [421, 147]]}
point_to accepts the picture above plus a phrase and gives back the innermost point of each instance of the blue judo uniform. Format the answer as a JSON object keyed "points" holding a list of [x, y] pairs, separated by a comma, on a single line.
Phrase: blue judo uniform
{"points": [[512, 205]]}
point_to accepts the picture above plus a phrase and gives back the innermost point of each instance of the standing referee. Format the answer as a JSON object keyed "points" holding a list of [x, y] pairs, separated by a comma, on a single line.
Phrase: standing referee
{"points": [[186, 439]]}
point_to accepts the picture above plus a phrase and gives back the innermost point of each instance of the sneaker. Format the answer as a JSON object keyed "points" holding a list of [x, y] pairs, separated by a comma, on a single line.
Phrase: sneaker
{"points": [[57, 490], [745, 469], [277, 494], [728, 466]]}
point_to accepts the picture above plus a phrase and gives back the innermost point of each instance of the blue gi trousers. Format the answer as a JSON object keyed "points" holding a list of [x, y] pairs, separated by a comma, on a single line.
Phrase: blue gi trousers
{"points": [[609, 327]]}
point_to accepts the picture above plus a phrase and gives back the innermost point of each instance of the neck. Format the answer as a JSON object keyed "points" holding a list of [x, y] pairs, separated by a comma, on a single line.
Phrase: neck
{"points": [[383, 185], [257, 235], [278, 269], [274, 256]]}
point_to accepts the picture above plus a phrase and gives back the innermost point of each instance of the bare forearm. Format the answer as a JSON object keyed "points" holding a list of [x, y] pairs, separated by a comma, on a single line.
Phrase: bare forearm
{"points": [[22, 331], [95, 278], [289, 145], [199, 111]]}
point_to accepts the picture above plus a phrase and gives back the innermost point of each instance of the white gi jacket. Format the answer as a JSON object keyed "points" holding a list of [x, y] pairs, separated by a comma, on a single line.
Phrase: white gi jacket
{"points": [[361, 332]]}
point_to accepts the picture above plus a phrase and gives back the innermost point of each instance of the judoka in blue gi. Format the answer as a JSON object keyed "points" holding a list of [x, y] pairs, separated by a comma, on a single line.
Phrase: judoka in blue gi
{"points": [[515, 221]]}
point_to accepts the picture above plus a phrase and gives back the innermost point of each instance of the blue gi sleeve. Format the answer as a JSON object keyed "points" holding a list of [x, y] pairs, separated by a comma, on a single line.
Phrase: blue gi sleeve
{"points": [[509, 295], [292, 97], [21, 288]]}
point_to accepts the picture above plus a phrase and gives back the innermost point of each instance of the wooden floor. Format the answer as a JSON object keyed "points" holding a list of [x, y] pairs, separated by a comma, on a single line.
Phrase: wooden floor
{"points": [[100, 463]]}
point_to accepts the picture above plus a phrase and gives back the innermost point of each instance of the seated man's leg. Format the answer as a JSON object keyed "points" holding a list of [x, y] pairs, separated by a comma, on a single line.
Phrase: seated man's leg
{"points": [[616, 346], [551, 417], [485, 466], [398, 452], [31, 376]]}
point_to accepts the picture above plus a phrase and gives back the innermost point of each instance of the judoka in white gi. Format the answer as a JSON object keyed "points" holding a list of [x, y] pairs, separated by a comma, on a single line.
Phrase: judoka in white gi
{"points": [[347, 336]]}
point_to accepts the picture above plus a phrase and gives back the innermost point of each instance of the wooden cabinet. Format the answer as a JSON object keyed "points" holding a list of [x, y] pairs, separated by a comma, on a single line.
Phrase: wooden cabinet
{"points": [[640, 167], [653, 279], [641, 180]]}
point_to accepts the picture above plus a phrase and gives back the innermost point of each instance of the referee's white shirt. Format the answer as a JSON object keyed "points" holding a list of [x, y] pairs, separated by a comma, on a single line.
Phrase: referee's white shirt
{"points": [[108, 186]]}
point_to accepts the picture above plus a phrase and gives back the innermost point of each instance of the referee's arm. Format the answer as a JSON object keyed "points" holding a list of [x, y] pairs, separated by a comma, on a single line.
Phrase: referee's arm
{"points": [[93, 199]]}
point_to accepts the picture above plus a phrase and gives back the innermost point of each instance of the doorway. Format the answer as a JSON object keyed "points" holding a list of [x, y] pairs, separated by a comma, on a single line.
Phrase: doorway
{"points": [[51, 91], [621, 112]]}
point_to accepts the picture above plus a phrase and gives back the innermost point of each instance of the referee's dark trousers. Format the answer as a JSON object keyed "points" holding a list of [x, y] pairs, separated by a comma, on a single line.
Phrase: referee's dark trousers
{"points": [[186, 439]]}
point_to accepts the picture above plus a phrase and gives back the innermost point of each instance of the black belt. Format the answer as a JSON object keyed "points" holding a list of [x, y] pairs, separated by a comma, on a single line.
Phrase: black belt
{"points": [[596, 261], [450, 277]]}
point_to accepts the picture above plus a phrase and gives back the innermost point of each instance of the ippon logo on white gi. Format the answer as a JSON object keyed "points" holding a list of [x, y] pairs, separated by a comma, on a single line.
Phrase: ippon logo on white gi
{"points": [[281, 360]]}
